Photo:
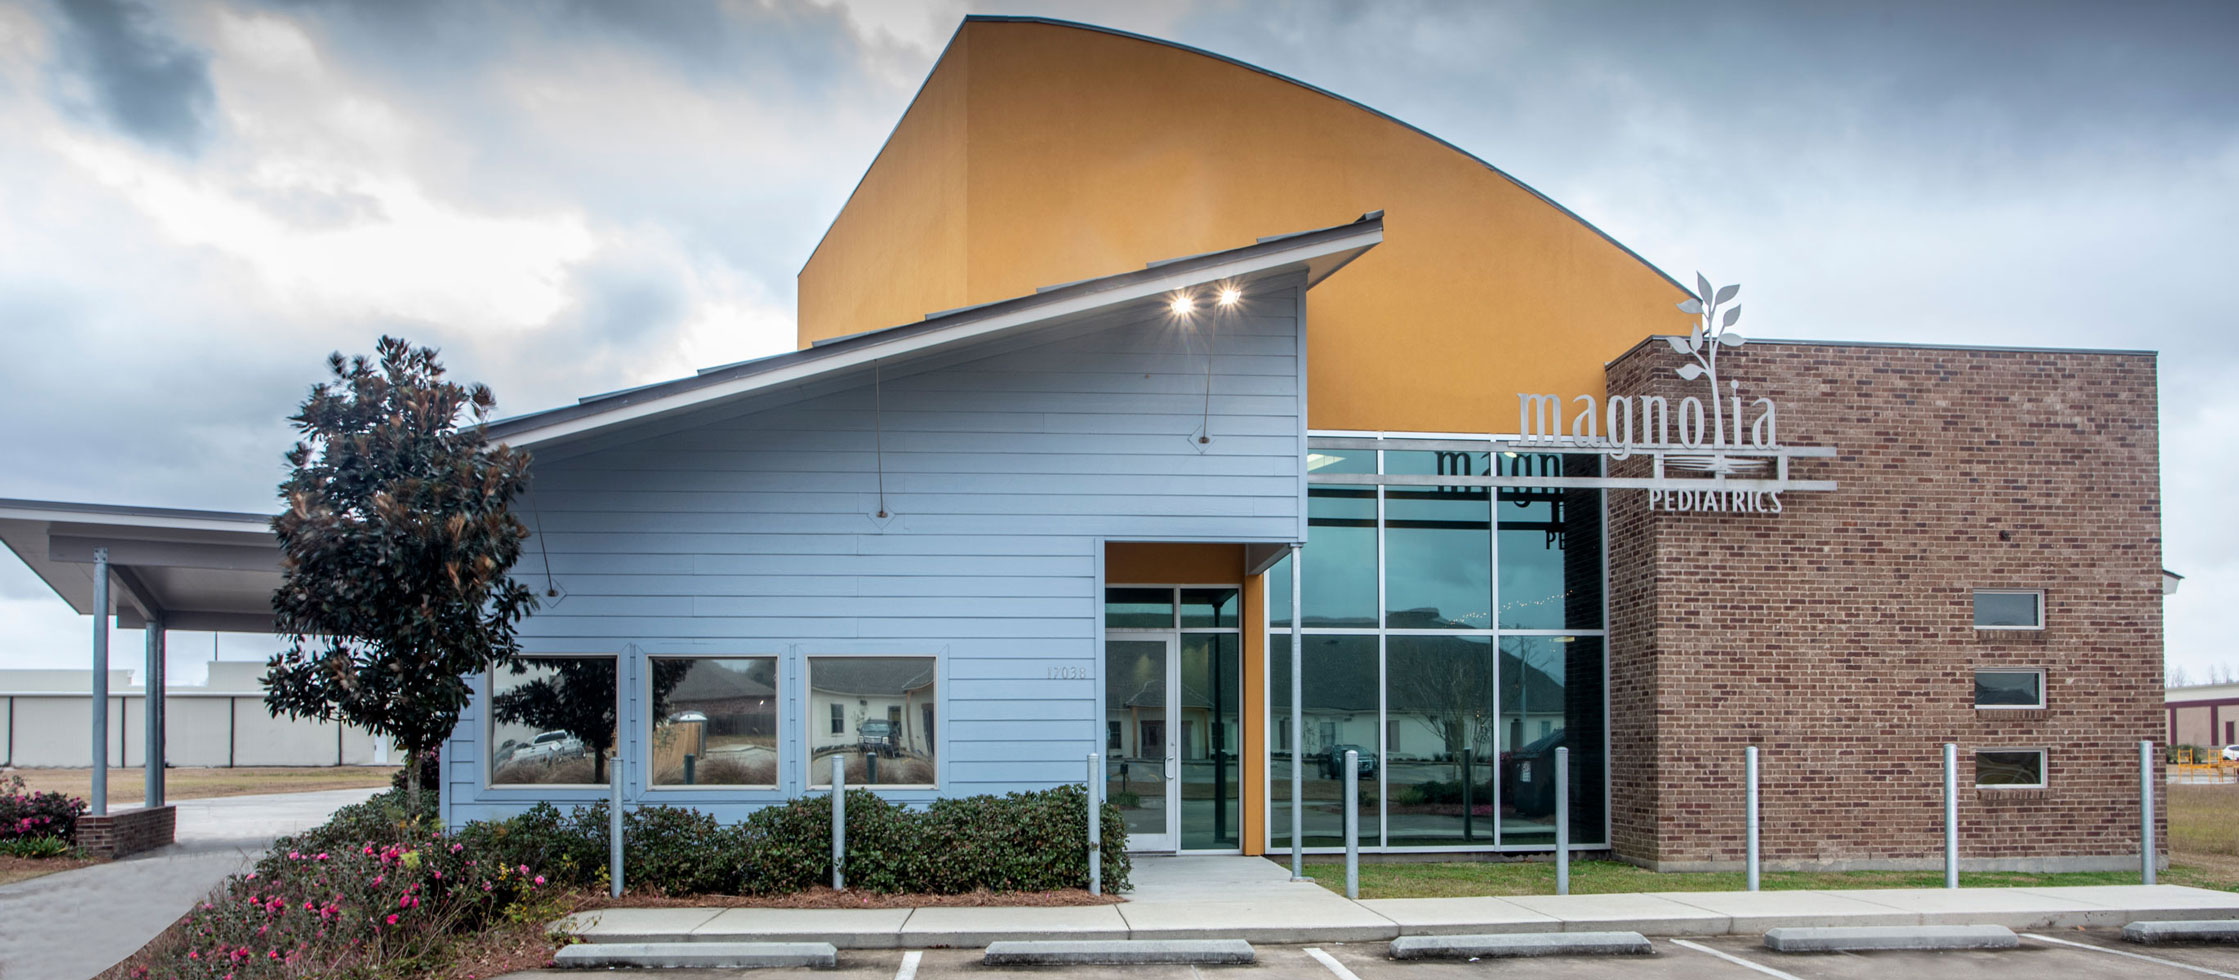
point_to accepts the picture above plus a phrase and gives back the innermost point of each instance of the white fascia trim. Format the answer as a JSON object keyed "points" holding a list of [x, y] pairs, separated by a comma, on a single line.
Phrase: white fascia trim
{"points": [[234, 524], [963, 331]]}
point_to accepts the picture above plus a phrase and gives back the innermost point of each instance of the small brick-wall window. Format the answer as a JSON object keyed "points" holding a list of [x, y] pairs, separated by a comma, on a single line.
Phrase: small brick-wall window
{"points": [[2009, 609], [2011, 689], [2010, 769]]}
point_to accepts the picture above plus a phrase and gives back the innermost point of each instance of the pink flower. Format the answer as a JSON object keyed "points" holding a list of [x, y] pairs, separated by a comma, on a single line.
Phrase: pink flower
{"points": [[392, 918], [540, 879]]}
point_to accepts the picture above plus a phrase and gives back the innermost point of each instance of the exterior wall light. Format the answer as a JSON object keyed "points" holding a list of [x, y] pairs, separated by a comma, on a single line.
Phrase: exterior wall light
{"points": [[1182, 305], [1230, 294]]}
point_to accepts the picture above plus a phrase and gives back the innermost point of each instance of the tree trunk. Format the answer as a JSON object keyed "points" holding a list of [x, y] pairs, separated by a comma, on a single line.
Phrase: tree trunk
{"points": [[412, 780]]}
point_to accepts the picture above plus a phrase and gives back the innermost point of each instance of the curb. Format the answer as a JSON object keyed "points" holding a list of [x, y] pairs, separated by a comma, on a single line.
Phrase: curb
{"points": [[2202, 931], [728, 956], [1517, 944], [1844, 939], [1116, 952]]}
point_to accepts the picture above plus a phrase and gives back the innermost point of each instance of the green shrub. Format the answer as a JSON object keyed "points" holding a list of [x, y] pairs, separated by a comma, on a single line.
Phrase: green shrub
{"points": [[1021, 842], [34, 847], [25, 814]]}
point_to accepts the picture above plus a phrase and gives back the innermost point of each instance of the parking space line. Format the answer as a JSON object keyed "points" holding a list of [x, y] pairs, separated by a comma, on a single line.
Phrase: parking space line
{"points": [[1331, 961], [909, 965], [1736, 960], [2135, 956]]}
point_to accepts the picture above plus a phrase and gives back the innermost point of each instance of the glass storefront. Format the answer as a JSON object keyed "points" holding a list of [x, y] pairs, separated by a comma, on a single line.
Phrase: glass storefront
{"points": [[1454, 638]]}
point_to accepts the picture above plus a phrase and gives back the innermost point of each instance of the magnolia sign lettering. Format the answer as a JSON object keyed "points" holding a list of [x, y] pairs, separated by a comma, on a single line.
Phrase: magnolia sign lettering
{"points": [[1720, 434]]}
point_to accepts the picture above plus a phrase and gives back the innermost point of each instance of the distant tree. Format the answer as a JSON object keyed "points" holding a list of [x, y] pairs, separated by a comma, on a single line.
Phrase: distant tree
{"points": [[577, 697], [394, 551]]}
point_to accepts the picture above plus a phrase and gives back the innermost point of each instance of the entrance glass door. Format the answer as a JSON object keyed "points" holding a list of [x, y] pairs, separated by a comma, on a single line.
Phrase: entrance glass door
{"points": [[1141, 757], [1173, 699]]}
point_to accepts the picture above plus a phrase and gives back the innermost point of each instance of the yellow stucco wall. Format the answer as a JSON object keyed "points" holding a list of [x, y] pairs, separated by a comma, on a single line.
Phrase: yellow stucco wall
{"points": [[1043, 153]]}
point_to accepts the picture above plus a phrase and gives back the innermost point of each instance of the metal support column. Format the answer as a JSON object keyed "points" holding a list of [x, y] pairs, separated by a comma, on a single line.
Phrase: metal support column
{"points": [[1095, 823], [1749, 760], [839, 823], [1562, 821], [1298, 729], [613, 822], [2145, 811], [1951, 815], [1352, 824], [151, 714], [98, 705]]}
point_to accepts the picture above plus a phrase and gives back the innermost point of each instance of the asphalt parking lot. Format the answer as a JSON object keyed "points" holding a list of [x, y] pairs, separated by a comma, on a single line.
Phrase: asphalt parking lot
{"points": [[2097, 955]]}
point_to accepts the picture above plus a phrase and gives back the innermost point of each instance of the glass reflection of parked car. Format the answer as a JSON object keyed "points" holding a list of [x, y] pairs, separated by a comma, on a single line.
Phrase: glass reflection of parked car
{"points": [[1333, 762], [548, 747], [878, 736], [2231, 753], [1527, 776]]}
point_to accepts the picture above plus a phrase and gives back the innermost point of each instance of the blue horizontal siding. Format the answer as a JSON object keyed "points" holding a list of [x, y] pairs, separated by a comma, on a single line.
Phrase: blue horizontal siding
{"points": [[752, 531]]}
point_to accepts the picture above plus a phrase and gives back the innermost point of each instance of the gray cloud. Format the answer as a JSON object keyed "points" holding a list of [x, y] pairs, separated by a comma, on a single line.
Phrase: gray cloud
{"points": [[141, 80]]}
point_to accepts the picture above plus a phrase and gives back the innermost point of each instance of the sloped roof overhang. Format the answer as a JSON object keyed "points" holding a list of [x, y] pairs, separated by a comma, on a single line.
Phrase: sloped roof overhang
{"points": [[1317, 253]]}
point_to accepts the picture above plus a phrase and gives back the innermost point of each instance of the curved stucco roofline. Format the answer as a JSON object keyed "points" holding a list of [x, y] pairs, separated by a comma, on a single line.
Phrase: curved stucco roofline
{"points": [[969, 19], [1355, 103]]}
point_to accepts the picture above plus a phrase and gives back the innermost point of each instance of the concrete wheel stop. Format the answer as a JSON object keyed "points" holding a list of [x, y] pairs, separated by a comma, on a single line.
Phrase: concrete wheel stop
{"points": [[715, 956], [1119, 952], [1516, 944], [2201, 931], [1852, 939]]}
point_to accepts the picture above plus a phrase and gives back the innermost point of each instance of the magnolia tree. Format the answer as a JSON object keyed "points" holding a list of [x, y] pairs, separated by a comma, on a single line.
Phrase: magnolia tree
{"points": [[394, 552]]}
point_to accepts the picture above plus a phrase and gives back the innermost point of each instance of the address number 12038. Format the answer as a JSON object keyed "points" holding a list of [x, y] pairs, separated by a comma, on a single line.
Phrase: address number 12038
{"points": [[1068, 673]]}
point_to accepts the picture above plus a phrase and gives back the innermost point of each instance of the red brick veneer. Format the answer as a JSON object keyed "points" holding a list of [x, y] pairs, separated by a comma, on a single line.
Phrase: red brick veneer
{"points": [[1838, 635], [127, 831]]}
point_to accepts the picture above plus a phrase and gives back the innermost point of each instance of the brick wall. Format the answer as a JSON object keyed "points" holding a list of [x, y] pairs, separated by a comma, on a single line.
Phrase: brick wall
{"points": [[127, 831], [1838, 635]]}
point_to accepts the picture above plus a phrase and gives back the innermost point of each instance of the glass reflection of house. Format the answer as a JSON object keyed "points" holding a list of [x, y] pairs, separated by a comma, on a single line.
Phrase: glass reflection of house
{"points": [[845, 692]]}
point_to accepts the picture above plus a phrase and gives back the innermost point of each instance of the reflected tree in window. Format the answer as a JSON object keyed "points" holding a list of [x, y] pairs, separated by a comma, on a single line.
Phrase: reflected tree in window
{"points": [[575, 698]]}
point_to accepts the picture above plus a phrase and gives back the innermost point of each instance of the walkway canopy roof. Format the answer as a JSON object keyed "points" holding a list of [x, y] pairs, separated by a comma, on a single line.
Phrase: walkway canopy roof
{"points": [[194, 569]]}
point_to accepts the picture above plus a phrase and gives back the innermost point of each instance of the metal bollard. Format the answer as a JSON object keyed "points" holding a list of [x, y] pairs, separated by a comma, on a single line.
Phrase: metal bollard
{"points": [[2145, 810], [1951, 815], [1352, 824], [1095, 823], [839, 822], [613, 824], [1562, 821], [1749, 758]]}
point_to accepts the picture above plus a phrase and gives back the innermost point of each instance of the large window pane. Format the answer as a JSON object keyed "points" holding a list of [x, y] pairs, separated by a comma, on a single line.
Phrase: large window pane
{"points": [[2009, 689], [1139, 609], [1339, 575], [1438, 546], [1210, 608], [1550, 546], [1339, 696], [714, 721], [1211, 739], [878, 713], [552, 721], [1550, 698], [1439, 699]]}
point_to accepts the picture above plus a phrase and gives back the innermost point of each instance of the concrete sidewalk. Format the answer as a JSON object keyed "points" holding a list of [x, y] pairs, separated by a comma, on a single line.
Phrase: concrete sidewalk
{"points": [[76, 924], [1255, 900]]}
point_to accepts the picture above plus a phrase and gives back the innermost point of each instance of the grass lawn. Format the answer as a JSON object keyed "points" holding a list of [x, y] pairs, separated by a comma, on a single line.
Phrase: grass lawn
{"points": [[2203, 842], [126, 785]]}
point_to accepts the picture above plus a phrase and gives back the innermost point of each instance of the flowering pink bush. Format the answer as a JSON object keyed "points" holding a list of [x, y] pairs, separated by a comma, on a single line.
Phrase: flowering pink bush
{"points": [[25, 814], [308, 913]]}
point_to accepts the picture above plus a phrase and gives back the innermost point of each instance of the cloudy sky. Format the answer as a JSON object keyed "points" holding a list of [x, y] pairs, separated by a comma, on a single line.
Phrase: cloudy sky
{"points": [[199, 200]]}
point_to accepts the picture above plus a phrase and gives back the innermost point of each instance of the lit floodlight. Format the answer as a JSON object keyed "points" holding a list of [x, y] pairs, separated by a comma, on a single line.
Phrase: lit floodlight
{"points": [[1182, 305], [1230, 294]]}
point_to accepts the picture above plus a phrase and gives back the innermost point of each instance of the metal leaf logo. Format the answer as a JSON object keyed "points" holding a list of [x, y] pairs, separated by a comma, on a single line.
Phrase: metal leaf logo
{"points": [[1712, 333]]}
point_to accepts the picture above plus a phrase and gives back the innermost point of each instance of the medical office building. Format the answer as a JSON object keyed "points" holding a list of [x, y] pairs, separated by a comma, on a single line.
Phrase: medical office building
{"points": [[1193, 314]]}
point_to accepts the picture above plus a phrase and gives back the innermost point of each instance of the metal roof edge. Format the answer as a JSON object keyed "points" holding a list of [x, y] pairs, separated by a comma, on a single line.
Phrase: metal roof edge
{"points": [[170, 517], [678, 394]]}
